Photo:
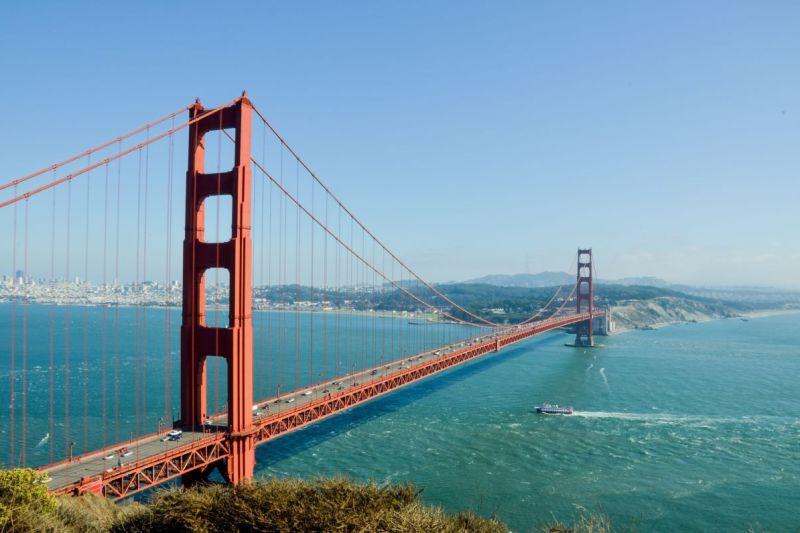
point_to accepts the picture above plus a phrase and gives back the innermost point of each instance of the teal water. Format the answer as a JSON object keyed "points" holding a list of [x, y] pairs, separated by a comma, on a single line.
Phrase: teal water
{"points": [[693, 427], [126, 356]]}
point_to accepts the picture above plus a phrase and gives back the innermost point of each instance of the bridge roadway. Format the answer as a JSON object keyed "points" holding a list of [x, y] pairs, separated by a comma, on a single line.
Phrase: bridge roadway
{"points": [[153, 459]]}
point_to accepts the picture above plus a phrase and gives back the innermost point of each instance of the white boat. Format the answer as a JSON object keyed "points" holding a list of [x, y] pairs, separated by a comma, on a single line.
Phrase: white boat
{"points": [[553, 409]]}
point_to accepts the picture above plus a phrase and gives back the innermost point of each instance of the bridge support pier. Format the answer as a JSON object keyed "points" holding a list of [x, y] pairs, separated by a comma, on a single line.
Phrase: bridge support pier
{"points": [[199, 341], [584, 335]]}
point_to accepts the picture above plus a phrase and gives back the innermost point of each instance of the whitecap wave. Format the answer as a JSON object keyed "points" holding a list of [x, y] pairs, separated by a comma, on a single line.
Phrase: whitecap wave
{"points": [[605, 378], [44, 440]]}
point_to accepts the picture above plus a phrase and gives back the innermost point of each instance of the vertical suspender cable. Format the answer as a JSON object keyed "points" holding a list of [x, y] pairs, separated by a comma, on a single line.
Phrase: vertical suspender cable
{"points": [[363, 277], [11, 374], [297, 284], [137, 338], [325, 297], [269, 312], [116, 299], [85, 362], [67, 441], [311, 298], [374, 318], [351, 317], [281, 353], [338, 334], [168, 282], [262, 312], [392, 304], [24, 384], [144, 346], [103, 363], [384, 309], [51, 368]]}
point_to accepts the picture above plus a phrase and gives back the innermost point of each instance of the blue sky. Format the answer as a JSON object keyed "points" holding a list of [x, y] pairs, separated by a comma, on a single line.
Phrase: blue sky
{"points": [[472, 137]]}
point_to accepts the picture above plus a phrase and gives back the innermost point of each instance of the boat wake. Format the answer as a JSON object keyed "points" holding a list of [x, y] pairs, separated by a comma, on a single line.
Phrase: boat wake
{"points": [[605, 379], [44, 440], [667, 418]]}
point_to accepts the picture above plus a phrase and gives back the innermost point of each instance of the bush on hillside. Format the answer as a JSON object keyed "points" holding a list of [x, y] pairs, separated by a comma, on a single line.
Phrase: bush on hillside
{"points": [[298, 506], [23, 495], [270, 506]]}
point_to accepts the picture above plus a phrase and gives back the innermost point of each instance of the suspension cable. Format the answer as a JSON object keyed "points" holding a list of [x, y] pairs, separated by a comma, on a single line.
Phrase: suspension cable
{"points": [[123, 153], [90, 151]]}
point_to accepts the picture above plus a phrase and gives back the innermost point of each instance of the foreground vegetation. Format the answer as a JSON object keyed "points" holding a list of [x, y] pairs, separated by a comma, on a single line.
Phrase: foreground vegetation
{"points": [[276, 505], [287, 505]]}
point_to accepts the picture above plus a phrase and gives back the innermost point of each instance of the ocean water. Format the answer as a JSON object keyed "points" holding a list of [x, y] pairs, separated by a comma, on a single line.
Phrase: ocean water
{"points": [[687, 428], [691, 427], [114, 368]]}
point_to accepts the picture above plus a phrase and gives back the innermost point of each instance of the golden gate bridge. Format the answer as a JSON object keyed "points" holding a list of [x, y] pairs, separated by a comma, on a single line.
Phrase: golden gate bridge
{"points": [[292, 310]]}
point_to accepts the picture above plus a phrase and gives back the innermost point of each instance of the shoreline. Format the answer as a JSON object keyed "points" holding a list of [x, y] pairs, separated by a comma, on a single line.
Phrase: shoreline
{"points": [[747, 315]]}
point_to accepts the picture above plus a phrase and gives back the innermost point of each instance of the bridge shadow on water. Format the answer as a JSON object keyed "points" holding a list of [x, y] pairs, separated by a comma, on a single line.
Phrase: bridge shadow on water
{"points": [[288, 445]]}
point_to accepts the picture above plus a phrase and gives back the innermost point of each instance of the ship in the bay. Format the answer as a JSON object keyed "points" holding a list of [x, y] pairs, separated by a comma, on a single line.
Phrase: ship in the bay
{"points": [[553, 409]]}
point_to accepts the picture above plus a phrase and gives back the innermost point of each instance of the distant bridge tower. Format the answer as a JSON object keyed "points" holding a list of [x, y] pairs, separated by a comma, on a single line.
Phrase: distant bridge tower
{"points": [[585, 298], [199, 341]]}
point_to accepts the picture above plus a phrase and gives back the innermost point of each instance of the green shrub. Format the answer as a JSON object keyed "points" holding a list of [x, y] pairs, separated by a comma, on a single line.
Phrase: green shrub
{"points": [[23, 496], [281, 505]]}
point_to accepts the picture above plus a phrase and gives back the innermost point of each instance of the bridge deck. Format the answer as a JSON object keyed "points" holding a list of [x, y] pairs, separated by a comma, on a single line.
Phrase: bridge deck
{"points": [[153, 459]]}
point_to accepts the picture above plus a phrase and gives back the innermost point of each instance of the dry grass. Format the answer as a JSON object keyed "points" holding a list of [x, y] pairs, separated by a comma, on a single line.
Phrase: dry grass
{"points": [[272, 506], [583, 524], [281, 505], [299, 506]]}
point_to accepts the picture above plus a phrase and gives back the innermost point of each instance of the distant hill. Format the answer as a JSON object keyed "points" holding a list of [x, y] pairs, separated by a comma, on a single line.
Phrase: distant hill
{"points": [[542, 279], [551, 279], [647, 281]]}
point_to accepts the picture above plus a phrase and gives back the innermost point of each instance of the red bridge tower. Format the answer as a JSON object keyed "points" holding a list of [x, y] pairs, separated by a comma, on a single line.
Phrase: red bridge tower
{"points": [[585, 298], [233, 343]]}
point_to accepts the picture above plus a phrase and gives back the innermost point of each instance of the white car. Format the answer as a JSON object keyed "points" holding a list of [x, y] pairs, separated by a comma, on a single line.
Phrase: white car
{"points": [[289, 400], [307, 393]]}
